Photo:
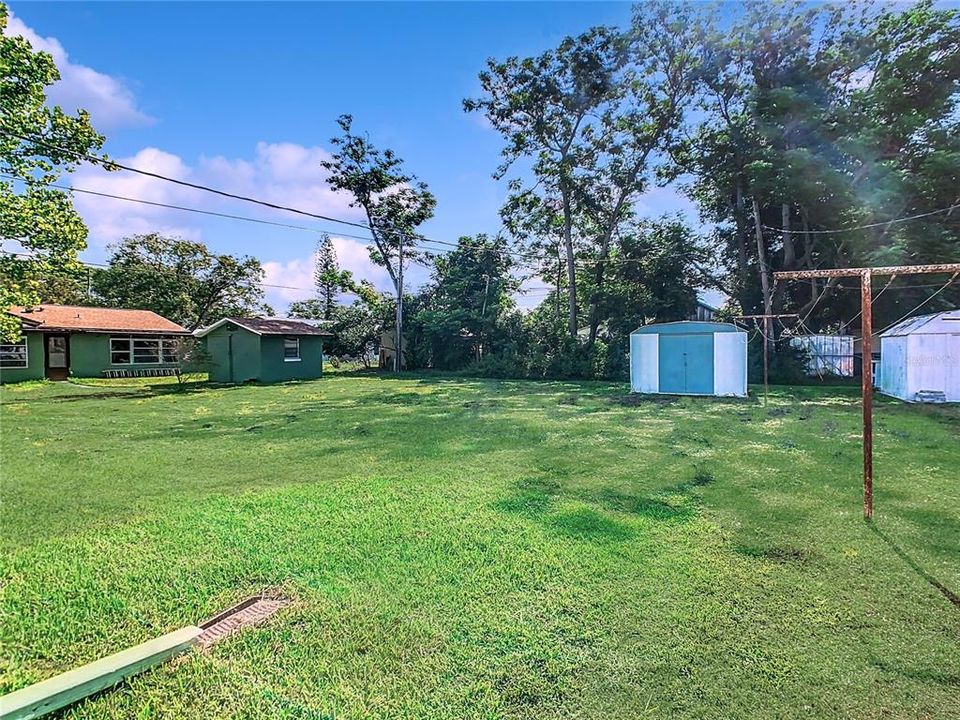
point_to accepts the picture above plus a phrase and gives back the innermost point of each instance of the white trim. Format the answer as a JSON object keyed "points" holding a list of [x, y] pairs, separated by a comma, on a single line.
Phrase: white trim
{"points": [[26, 354], [201, 332], [130, 340]]}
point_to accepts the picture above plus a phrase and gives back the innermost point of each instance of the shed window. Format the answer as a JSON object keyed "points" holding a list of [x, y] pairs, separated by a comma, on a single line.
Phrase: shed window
{"points": [[291, 349], [14, 355]]}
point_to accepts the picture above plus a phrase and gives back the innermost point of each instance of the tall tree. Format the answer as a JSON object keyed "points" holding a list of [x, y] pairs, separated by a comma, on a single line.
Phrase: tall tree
{"points": [[637, 131], [543, 107], [38, 143], [470, 292], [181, 280], [395, 203], [330, 280]]}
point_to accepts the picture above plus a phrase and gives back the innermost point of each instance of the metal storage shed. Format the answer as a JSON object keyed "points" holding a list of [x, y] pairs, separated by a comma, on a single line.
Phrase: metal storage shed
{"points": [[689, 358], [827, 354], [920, 358]]}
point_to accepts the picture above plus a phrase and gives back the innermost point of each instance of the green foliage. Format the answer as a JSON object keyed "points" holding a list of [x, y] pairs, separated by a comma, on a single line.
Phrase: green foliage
{"points": [[181, 280], [395, 202], [457, 317], [329, 278], [39, 217], [194, 361]]}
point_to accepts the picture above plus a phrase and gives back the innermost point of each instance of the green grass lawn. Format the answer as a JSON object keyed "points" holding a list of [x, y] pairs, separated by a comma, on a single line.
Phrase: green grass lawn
{"points": [[465, 548]]}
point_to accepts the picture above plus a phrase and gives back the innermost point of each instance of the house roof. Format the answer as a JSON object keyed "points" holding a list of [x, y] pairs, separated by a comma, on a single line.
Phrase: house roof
{"points": [[79, 318], [946, 322], [269, 326]]}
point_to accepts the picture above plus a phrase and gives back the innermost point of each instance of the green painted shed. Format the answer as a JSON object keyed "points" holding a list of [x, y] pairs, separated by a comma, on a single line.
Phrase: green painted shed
{"points": [[263, 349]]}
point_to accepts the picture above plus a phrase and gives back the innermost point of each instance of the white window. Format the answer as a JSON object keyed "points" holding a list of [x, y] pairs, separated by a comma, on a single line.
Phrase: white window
{"points": [[15, 355], [291, 349], [142, 351], [120, 351]]}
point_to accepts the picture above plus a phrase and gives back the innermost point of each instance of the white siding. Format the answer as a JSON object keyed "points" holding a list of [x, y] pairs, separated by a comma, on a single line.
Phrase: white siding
{"points": [[645, 363], [893, 366], [931, 365], [730, 364]]}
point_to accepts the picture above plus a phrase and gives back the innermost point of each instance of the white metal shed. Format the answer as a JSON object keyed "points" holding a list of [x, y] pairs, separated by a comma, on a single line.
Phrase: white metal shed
{"points": [[689, 358], [920, 358], [827, 354]]}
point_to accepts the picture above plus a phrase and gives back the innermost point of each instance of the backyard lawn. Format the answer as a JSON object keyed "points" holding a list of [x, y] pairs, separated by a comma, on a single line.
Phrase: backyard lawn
{"points": [[467, 548]]}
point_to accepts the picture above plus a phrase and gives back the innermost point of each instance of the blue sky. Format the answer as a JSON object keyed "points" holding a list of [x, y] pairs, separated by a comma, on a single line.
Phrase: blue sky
{"points": [[244, 96]]}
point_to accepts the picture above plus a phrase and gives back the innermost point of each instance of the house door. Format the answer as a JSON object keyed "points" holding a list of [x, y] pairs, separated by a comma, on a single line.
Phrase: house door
{"points": [[57, 357]]}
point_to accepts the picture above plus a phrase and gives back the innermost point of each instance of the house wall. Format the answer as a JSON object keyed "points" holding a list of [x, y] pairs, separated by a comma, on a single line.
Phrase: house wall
{"points": [[90, 355], [274, 368], [34, 369], [243, 353]]}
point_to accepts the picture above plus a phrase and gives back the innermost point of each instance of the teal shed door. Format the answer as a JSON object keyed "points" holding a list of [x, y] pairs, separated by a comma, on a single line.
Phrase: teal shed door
{"points": [[686, 364]]}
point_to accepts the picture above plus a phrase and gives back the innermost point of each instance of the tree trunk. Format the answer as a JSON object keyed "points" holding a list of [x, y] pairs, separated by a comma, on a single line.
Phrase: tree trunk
{"points": [[789, 254], [762, 259], [571, 270], [742, 269]]}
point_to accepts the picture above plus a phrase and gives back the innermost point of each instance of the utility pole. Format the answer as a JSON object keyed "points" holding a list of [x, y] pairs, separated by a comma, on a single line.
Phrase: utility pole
{"points": [[398, 343], [483, 313], [866, 276], [767, 334]]}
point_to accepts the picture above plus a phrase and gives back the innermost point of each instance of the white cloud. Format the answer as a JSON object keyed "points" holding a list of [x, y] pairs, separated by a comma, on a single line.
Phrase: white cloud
{"points": [[284, 173], [109, 101], [109, 220]]}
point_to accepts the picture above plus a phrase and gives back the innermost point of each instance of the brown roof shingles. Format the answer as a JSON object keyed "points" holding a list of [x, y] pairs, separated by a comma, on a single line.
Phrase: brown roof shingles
{"points": [[94, 319], [275, 326]]}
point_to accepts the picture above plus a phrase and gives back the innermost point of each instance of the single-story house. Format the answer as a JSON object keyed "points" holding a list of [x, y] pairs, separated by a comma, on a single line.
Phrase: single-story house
{"points": [[60, 341], [263, 349], [689, 358]]}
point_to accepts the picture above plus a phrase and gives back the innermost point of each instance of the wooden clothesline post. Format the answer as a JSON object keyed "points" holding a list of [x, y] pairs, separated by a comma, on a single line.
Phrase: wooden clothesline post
{"points": [[866, 309]]}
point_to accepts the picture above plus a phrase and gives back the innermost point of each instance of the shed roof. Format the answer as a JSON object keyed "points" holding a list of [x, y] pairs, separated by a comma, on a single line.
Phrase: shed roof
{"points": [[269, 326], [946, 322], [79, 318], [682, 327]]}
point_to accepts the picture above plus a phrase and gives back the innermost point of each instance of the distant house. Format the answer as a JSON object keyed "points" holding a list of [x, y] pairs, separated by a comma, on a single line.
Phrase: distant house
{"points": [[263, 349], [60, 341], [703, 313]]}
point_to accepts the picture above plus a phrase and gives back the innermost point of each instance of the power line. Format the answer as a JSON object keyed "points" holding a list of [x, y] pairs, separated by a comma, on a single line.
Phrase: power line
{"points": [[861, 227], [108, 163], [415, 237], [198, 211], [944, 287]]}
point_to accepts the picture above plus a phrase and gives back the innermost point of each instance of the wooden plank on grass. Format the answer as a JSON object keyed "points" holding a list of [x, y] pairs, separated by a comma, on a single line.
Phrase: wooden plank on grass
{"points": [[62, 690]]}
